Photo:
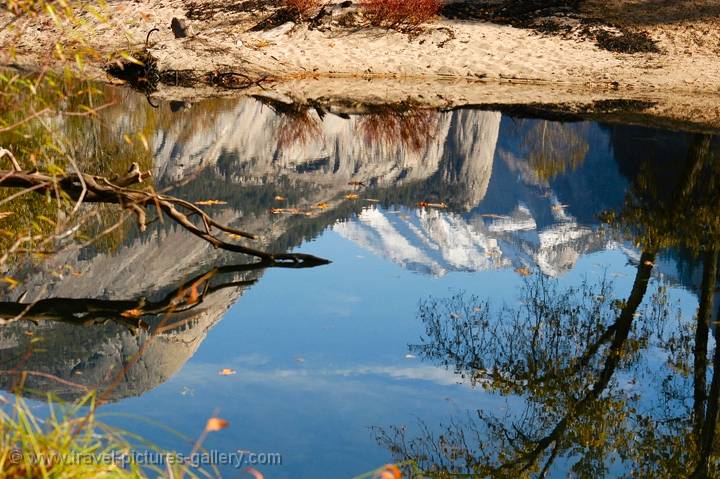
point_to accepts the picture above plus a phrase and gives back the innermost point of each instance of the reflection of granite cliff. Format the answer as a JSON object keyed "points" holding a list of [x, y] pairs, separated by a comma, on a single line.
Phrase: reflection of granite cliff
{"points": [[97, 354], [232, 154], [246, 144]]}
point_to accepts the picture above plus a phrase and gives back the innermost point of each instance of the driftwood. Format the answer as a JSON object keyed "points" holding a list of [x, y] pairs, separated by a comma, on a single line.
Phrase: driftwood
{"points": [[132, 312], [98, 189]]}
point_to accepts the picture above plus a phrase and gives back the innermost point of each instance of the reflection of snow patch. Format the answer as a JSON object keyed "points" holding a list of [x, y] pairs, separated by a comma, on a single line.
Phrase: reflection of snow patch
{"points": [[424, 240], [436, 241]]}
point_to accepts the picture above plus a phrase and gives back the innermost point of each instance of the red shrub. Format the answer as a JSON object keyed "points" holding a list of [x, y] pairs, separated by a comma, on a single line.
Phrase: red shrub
{"points": [[400, 13], [305, 7], [299, 127], [391, 128]]}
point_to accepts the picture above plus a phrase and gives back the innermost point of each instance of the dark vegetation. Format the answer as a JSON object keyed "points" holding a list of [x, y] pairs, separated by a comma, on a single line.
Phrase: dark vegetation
{"points": [[555, 17]]}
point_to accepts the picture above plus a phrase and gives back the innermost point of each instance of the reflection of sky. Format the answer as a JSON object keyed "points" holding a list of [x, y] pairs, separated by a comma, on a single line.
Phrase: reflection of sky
{"points": [[320, 354], [320, 357]]}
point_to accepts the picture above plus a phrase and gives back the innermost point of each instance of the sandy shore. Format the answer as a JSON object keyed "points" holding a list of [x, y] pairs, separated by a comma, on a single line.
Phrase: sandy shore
{"points": [[450, 62]]}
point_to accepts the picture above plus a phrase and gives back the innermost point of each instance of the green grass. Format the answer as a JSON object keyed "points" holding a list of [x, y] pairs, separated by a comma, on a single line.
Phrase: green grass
{"points": [[72, 443]]}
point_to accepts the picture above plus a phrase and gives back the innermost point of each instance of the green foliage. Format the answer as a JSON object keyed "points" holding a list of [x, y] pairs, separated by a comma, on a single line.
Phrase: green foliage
{"points": [[71, 443]]}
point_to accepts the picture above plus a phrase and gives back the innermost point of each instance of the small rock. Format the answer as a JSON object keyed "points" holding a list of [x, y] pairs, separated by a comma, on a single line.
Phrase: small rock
{"points": [[180, 28]]}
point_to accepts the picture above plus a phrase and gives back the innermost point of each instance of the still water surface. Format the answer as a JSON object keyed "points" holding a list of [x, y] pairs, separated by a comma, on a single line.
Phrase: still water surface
{"points": [[478, 315]]}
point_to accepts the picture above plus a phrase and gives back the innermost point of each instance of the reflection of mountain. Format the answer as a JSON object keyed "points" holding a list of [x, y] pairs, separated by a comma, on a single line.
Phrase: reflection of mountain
{"points": [[247, 144], [501, 214], [98, 353], [520, 220]]}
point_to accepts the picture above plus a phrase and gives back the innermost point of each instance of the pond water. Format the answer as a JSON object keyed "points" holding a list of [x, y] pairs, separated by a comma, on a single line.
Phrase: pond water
{"points": [[504, 294]]}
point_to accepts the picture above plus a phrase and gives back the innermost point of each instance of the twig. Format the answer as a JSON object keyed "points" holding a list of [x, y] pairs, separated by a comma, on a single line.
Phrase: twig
{"points": [[98, 189], [24, 120], [8, 153]]}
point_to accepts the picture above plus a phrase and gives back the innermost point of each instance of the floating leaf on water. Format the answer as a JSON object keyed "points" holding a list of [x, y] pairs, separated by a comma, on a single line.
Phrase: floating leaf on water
{"points": [[425, 204], [132, 313], [352, 197], [389, 471], [523, 271], [648, 263], [280, 198], [227, 372], [322, 206], [210, 202], [11, 281], [216, 424], [255, 473], [289, 211]]}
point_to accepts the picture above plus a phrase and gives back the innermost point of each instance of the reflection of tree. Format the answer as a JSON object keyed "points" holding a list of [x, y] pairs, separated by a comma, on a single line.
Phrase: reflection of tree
{"points": [[391, 127], [561, 351], [301, 127], [554, 148], [300, 124]]}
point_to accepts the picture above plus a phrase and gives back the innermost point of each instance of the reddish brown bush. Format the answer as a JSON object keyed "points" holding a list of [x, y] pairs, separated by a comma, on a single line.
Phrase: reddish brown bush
{"points": [[391, 128], [306, 8], [400, 13], [299, 128]]}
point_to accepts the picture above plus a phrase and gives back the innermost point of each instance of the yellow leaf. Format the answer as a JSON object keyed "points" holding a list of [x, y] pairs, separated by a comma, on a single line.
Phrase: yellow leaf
{"points": [[210, 202], [227, 372], [11, 281], [322, 206], [352, 197], [523, 271], [216, 424], [280, 198], [132, 313], [289, 211]]}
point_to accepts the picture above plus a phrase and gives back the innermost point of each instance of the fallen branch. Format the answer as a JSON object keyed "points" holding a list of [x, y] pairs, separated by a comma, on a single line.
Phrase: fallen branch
{"points": [[98, 189], [185, 297]]}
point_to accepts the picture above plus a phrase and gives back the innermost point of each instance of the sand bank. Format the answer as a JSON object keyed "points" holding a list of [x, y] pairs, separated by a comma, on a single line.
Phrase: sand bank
{"points": [[471, 55]]}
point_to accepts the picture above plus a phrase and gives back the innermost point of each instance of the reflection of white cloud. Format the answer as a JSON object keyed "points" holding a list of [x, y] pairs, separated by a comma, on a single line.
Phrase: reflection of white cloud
{"points": [[433, 374], [303, 374], [252, 360]]}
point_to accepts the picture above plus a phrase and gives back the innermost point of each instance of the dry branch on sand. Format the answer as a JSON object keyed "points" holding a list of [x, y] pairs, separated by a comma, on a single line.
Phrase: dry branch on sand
{"points": [[84, 188]]}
